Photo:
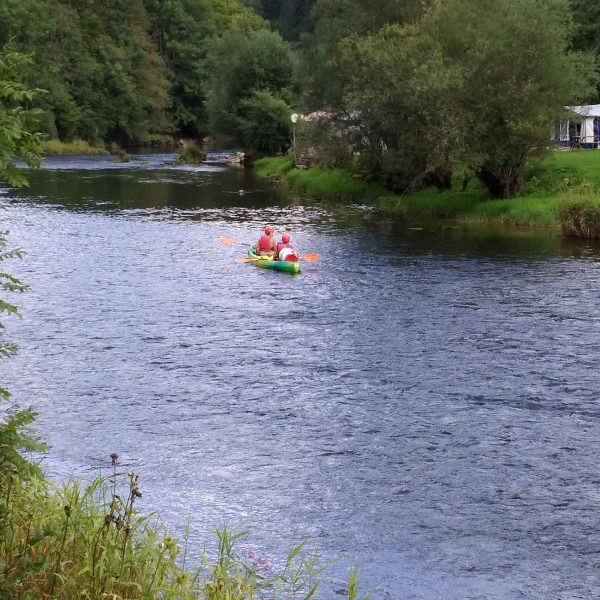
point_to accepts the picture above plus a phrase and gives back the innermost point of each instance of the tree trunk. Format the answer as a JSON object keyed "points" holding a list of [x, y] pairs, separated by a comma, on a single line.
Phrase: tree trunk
{"points": [[441, 177], [505, 182]]}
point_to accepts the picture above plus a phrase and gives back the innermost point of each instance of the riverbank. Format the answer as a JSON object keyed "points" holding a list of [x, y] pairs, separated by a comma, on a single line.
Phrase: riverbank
{"points": [[561, 192], [80, 147], [56, 147], [81, 540]]}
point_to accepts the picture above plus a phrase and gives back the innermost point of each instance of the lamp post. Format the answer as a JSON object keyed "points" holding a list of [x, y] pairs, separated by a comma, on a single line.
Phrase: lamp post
{"points": [[294, 119]]}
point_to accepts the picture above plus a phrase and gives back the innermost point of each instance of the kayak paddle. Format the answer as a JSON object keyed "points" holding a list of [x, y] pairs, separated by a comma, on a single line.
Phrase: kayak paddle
{"points": [[228, 240]]}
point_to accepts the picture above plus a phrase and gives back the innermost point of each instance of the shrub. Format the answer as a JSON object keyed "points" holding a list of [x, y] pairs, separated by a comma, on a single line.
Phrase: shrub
{"points": [[122, 156], [190, 154], [578, 213]]}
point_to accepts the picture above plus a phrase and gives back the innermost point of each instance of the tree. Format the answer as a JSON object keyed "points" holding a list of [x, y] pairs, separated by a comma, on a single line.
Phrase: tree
{"points": [[18, 122], [321, 73], [512, 74], [264, 123], [478, 83], [398, 98], [18, 139], [249, 92], [183, 31]]}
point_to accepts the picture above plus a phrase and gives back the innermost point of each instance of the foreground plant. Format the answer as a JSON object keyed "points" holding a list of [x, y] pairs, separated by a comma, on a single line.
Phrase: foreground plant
{"points": [[75, 542]]}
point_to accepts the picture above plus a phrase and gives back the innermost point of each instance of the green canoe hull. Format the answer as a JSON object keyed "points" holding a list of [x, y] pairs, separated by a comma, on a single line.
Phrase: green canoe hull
{"points": [[265, 262]]}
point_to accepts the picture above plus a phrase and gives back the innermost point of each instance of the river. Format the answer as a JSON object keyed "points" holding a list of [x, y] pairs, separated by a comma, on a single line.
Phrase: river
{"points": [[423, 402]]}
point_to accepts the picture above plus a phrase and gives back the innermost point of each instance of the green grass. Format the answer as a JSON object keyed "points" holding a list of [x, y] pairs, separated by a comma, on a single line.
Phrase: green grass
{"points": [[549, 182], [90, 542], [434, 204], [336, 184], [273, 166], [523, 211], [53, 147]]}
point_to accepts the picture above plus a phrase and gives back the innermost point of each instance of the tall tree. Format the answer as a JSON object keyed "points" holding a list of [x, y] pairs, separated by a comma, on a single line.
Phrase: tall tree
{"points": [[321, 75], [513, 72], [182, 30], [474, 82], [249, 90]]}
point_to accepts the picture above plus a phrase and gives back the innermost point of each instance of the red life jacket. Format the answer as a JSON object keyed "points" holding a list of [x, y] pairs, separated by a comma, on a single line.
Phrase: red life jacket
{"points": [[265, 244]]}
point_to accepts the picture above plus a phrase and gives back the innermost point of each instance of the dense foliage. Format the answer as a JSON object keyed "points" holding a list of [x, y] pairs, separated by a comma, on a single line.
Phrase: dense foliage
{"points": [[18, 139], [249, 92], [290, 17], [120, 70], [413, 88], [424, 86]]}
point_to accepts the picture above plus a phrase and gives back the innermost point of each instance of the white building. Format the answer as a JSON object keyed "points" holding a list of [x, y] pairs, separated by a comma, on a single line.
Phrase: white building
{"points": [[581, 131]]}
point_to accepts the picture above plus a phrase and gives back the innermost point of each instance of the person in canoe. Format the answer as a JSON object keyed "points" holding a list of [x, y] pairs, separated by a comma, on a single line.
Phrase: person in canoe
{"points": [[285, 249], [266, 243]]}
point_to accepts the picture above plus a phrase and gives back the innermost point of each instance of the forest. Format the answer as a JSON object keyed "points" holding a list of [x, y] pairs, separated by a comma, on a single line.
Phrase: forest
{"points": [[409, 87]]}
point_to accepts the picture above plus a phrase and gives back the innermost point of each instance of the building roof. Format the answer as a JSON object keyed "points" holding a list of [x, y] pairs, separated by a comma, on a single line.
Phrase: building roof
{"points": [[587, 110]]}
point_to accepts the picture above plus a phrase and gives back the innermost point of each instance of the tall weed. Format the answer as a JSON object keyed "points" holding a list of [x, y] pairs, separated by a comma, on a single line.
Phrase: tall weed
{"points": [[90, 542]]}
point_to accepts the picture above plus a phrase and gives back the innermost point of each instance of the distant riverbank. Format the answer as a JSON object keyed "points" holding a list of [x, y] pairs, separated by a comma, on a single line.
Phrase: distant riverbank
{"points": [[84, 147], [56, 147], [562, 192]]}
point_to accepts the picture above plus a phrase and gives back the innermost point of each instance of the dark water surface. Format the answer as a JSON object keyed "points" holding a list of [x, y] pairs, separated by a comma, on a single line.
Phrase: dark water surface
{"points": [[425, 402]]}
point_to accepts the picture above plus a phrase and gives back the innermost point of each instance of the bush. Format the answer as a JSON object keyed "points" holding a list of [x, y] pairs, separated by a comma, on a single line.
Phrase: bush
{"points": [[578, 213], [325, 142], [122, 156], [191, 154]]}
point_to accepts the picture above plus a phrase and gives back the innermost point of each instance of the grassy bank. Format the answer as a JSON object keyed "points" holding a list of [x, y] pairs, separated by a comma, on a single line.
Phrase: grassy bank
{"points": [[76, 541], [561, 192], [334, 184], [56, 147]]}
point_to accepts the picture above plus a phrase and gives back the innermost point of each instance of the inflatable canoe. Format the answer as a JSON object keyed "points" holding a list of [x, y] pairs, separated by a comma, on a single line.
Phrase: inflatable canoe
{"points": [[266, 262]]}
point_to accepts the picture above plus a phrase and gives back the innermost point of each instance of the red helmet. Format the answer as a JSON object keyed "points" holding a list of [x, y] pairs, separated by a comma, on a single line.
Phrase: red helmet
{"points": [[286, 237], [269, 229]]}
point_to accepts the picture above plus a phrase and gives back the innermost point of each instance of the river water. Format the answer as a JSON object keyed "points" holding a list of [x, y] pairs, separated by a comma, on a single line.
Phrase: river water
{"points": [[423, 402]]}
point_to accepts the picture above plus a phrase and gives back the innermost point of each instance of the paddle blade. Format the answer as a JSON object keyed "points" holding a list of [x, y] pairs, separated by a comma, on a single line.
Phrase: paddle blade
{"points": [[242, 260], [226, 240], [311, 257]]}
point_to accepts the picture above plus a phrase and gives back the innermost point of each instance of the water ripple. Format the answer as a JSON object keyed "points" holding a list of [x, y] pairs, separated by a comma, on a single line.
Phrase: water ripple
{"points": [[429, 407]]}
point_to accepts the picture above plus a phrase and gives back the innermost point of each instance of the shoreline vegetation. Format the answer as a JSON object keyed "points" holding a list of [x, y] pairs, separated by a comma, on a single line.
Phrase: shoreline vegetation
{"points": [[561, 192], [56, 148], [190, 154], [80, 540]]}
